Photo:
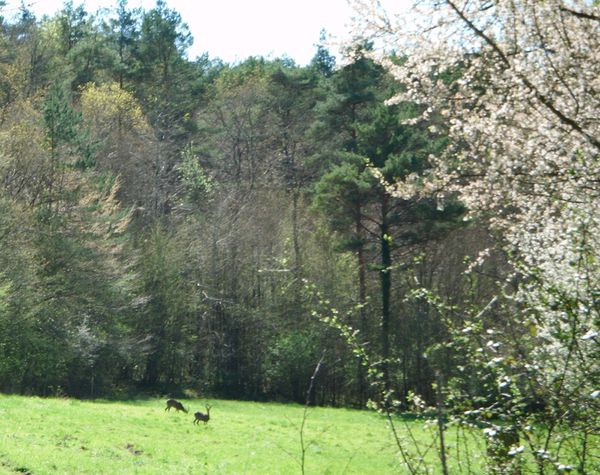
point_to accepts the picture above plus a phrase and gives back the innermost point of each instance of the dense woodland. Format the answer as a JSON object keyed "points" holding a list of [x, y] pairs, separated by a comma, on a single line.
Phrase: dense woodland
{"points": [[171, 224], [164, 218]]}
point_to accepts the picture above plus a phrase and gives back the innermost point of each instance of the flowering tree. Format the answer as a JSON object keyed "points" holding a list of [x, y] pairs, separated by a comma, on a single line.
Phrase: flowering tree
{"points": [[518, 85]]}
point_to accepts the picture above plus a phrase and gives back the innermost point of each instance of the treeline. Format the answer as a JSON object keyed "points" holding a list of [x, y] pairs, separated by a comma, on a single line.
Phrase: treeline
{"points": [[172, 224]]}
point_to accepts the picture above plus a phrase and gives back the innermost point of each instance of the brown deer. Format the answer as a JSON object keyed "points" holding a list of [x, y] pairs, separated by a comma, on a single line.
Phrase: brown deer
{"points": [[202, 417], [176, 404]]}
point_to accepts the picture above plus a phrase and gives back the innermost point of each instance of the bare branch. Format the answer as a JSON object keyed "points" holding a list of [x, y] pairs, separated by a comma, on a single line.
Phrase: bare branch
{"points": [[586, 16]]}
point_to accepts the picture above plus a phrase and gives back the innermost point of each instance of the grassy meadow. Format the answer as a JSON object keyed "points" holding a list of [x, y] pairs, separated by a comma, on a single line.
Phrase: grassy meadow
{"points": [[69, 436], [50, 436]]}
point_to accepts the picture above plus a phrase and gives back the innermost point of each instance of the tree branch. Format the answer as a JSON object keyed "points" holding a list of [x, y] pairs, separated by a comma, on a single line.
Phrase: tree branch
{"points": [[585, 16], [546, 101]]}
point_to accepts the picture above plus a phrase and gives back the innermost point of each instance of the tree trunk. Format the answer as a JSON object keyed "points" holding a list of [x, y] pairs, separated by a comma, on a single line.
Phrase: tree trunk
{"points": [[295, 232], [386, 285], [362, 299]]}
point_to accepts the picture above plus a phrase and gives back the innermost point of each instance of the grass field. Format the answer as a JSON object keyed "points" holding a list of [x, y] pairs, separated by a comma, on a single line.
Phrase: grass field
{"points": [[68, 436]]}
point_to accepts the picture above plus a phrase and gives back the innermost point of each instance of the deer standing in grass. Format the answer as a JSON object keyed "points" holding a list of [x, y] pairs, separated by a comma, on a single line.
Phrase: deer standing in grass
{"points": [[202, 417], [176, 404]]}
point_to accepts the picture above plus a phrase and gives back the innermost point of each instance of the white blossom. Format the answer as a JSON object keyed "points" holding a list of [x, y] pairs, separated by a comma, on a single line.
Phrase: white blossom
{"points": [[517, 83], [516, 450], [589, 335]]}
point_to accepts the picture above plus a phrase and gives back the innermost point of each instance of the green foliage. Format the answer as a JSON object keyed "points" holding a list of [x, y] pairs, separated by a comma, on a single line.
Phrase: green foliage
{"points": [[159, 216], [164, 35], [323, 61], [198, 185], [165, 80], [342, 191], [165, 318], [61, 120], [204, 285], [71, 22], [291, 361], [123, 35]]}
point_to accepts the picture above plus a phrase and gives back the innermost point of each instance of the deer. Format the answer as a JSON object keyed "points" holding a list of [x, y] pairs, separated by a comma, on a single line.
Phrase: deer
{"points": [[202, 417], [176, 404]]}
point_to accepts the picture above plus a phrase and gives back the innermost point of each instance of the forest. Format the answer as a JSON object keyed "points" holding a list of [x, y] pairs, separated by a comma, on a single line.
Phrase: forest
{"points": [[404, 229]]}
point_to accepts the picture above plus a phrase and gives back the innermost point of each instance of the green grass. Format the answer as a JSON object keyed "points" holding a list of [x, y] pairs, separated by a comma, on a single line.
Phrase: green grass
{"points": [[68, 436]]}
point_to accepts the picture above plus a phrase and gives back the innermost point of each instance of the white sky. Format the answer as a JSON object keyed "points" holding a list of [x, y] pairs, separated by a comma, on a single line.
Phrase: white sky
{"points": [[235, 29]]}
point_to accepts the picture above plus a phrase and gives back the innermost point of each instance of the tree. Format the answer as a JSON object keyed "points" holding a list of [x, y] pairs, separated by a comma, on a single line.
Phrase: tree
{"points": [[164, 39], [123, 33], [24, 164], [74, 35], [163, 74], [168, 88], [323, 61], [292, 92], [124, 139], [166, 323], [30, 55], [524, 152], [342, 192], [378, 146], [64, 281]]}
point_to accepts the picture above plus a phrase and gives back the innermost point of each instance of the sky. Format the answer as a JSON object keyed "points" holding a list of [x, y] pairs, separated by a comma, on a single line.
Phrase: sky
{"points": [[235, 29]]}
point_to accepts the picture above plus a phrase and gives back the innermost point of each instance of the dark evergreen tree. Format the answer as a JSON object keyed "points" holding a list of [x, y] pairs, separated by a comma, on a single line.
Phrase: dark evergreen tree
{"points": [[123, 34], [323, 61], [357, 201]]}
